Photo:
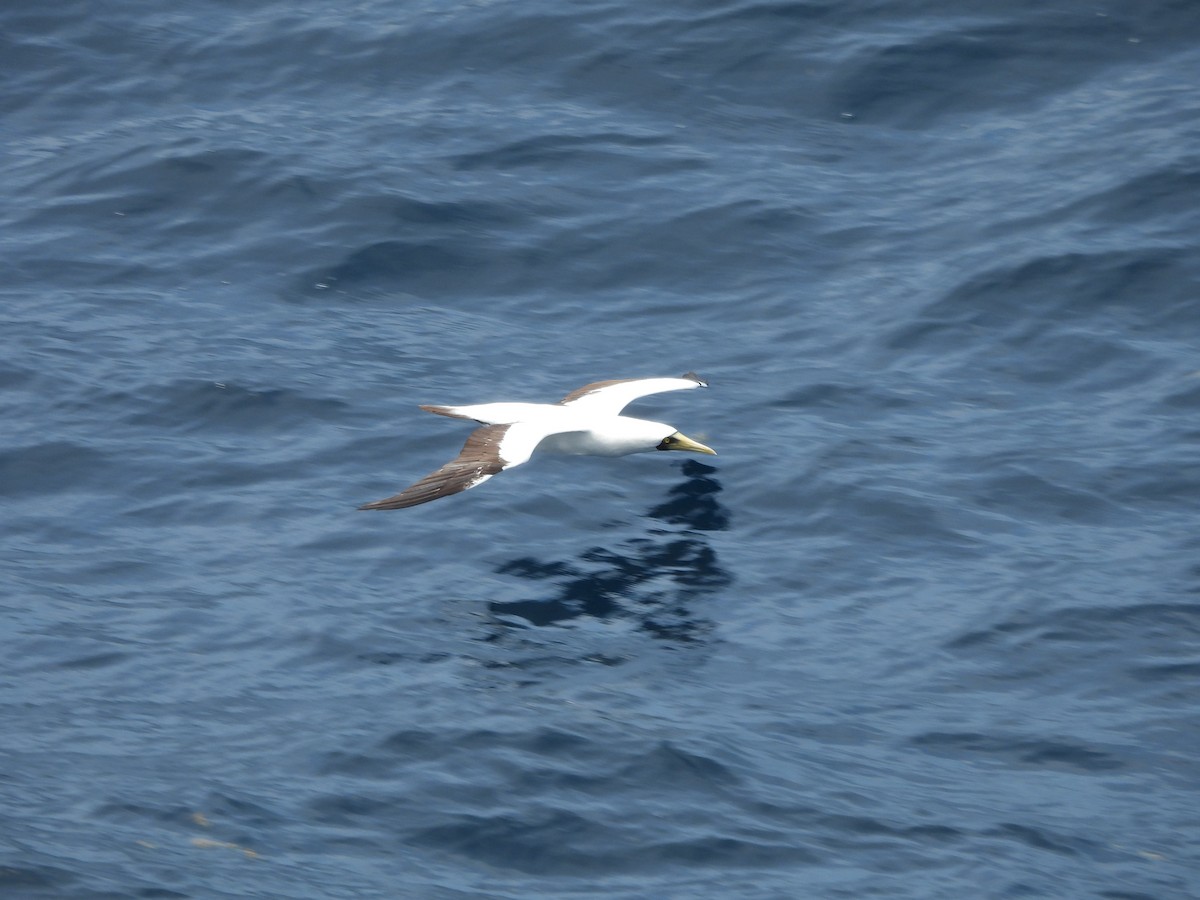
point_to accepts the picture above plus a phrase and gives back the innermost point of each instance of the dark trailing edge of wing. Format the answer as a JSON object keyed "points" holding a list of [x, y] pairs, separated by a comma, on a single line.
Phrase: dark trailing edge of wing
{"points": [[479, 459], [601, 385]]}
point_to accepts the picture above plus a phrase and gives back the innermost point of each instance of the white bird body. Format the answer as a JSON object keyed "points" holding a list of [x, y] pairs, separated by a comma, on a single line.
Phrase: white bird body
{"points": [[614, 436], [564, 429], [585, 422]]}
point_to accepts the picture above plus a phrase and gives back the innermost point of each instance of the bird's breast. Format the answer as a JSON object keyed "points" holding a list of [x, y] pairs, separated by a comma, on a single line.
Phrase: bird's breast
{"points": [[588, 443]]}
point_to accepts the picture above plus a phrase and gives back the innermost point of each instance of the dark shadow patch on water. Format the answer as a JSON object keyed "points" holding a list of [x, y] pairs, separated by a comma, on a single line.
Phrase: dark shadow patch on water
{"points": [[965, 71], [50, 467], [1019, 751], [1187, 398], [849, 402], [1167, 622], [549, 150], [654, 579], [1022, 304], [25, 880], [561, 842], [1153, 197], [693, 503], [1045, 839]]}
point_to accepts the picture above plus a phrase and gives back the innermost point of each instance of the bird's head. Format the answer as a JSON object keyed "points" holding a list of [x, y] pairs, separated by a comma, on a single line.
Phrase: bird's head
{"points": [[677, 441]]}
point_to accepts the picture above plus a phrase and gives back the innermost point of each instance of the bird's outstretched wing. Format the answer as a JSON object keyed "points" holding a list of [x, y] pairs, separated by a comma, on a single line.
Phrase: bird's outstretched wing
{"points": [[608, 398], [488, 451]]}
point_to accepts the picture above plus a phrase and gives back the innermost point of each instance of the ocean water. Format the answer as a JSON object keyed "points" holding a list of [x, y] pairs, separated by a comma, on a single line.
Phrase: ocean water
{"points": [[927, 627]]}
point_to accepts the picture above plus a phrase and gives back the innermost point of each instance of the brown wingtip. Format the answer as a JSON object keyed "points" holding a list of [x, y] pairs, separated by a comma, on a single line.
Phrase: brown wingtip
{"points": [[391, 503], [478, 461]]}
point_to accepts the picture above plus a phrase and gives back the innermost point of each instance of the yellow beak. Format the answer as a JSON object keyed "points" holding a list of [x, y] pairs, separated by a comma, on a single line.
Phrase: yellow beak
{"points": [[679, 441]]}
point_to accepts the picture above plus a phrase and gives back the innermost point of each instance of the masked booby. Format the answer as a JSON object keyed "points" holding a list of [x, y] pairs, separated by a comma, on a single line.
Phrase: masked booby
{"points": [[586, 422]]}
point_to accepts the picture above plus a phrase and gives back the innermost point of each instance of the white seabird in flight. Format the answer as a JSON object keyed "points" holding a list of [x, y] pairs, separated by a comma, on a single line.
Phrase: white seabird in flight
{"points": [[585, 422]]}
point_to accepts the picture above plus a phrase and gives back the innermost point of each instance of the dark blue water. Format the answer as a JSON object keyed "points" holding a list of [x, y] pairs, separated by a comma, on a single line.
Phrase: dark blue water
{"points": [[926, 628]]}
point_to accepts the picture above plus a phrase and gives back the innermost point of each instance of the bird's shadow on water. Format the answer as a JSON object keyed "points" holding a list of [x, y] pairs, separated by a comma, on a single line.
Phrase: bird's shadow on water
{"points": [[652, 580]]}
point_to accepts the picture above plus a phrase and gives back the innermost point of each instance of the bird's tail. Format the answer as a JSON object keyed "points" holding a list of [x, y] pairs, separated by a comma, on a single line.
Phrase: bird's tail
{"points": [[489, 413], [451, 411]]}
